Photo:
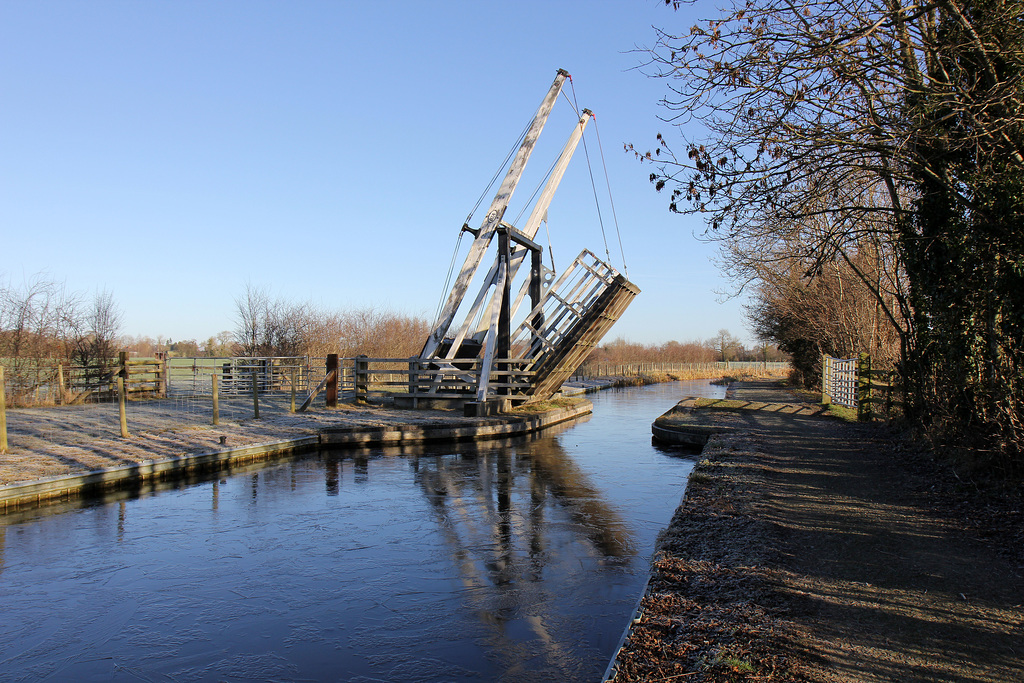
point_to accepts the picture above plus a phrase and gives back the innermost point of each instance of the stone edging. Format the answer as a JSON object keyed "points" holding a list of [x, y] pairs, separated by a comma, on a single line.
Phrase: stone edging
{"points": [[14, 496], [681, 425], [492, 428]]}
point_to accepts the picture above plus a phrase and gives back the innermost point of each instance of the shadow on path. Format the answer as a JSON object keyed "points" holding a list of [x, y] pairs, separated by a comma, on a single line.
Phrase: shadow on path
{"points": [[882, 588]]}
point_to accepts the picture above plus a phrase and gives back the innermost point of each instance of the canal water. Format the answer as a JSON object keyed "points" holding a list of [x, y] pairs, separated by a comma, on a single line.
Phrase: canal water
{"points": [[512, 561]]}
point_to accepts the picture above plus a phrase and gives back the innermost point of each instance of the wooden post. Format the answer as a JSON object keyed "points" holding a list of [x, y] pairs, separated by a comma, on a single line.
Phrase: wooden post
{"points": [[60, 384], [505, 314], [216, 400], [255, 397], [292, 410], [864, 387], [536, 282], [122, 361], [3, 413], [890, 387], [825, 398], [359, 372], [331, 395], [121, 408]]}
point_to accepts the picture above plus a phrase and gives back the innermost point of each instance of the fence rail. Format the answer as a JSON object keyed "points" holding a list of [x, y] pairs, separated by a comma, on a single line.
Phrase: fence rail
{"points": [[57, 383], [53, 383], [196, 385], [459, 378]]}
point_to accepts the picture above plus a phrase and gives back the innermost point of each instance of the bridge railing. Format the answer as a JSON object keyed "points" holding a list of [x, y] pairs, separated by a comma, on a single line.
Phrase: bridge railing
{"points": [[429, 379], [415, 379]]}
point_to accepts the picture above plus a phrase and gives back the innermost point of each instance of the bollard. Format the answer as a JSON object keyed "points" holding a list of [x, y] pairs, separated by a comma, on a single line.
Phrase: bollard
{"points": [[255, 398], [121, 409], [360, 374], [216, 400], [331, 396], [3, 414]]}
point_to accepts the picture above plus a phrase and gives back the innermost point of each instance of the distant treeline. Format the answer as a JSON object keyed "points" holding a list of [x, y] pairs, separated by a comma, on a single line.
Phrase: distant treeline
{"points": [[722, 347], [43, 323]]}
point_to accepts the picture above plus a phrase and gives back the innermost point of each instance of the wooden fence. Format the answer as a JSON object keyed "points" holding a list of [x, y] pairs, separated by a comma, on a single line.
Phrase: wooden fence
{"points": [[416, 378], [65, 384], [55, 383], [413, 381]]}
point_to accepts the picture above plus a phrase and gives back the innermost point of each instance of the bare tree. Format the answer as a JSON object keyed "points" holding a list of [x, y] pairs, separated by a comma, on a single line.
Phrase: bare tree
{"points": [[620, 350], [43, 323], [725, 345], [252, 309], [94, 331], [839, 129], [265, 326], [32, 321], [105, 322]]}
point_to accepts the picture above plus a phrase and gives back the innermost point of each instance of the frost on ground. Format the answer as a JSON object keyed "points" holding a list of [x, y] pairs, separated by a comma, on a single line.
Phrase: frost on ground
{"points": [[48, 442], [809, 549]]}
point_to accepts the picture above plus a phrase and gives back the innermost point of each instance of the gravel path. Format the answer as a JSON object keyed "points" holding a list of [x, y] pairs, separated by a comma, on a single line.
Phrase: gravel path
{"points": [[812, 549], [886, 589]]}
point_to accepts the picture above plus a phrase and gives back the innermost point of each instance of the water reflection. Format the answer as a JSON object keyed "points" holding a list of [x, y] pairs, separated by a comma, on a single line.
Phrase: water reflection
{"points": [[514, 560], [490, 506]]}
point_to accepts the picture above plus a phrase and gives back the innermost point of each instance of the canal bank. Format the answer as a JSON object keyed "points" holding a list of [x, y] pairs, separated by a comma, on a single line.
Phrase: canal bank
{"points": [[65, 451], [58, 471], [811, 549]]}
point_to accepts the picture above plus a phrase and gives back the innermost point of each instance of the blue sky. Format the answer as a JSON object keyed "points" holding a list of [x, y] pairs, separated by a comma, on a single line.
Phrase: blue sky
{"points": [[171, 152]]}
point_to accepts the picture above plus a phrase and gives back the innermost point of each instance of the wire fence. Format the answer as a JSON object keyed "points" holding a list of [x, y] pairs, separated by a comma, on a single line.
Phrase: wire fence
{"points": [[273, 375]]}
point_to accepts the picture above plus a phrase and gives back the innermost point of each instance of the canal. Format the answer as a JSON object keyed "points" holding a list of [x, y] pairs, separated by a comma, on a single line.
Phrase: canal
{"points": [[512, 561]]}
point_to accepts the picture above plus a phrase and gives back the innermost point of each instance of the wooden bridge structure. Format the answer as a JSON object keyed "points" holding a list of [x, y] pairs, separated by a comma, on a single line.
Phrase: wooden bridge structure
{"points": [[527, 328]]}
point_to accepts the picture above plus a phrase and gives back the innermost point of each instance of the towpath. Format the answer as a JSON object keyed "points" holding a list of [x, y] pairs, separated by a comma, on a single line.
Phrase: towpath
{"points": [[813, 549]]}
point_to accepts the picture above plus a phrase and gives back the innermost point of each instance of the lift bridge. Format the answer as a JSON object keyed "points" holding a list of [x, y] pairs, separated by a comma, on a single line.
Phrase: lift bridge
{"points": [[499, 352]]}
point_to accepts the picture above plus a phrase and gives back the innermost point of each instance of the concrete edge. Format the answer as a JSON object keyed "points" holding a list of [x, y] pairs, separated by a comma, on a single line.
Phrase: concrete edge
{"points": [[462, 431], [638, 614], [685, 434], [612, 669], [16, 496], [586, 386], [681, 436]]}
